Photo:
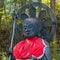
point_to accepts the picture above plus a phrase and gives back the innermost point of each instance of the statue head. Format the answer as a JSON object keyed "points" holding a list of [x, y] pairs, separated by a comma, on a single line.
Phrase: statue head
{"points": [[30, 27]]}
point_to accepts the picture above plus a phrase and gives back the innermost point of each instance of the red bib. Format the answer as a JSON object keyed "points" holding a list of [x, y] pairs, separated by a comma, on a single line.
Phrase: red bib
{"points": [[29, 47]]}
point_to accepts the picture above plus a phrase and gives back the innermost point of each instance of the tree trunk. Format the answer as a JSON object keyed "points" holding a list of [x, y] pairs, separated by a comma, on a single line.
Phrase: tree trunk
{"points": [[52, 4], [1, 6], [1, 3]]}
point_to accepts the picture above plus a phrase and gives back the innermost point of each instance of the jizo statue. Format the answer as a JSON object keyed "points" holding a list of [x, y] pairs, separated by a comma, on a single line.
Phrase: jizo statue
{"points": [[37, 31], [32, 47]]}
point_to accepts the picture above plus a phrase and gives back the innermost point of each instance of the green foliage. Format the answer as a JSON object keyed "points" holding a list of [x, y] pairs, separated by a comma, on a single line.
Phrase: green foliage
{"points": [[58, 5], [4, 58]]}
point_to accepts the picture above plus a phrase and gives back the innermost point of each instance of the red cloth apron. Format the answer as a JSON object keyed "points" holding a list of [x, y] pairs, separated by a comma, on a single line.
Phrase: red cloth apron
{"points": [[29, 47]]}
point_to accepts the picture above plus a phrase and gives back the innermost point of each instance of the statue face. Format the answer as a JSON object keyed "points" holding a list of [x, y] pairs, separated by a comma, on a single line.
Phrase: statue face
{"points": [[29, 28]]}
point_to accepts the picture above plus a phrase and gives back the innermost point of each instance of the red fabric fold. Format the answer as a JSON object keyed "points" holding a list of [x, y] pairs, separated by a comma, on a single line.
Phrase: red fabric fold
{"points": [[29, 47]]}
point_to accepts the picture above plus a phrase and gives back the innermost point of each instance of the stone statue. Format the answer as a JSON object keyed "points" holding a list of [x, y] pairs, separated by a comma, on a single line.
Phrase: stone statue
{"points": [[33, 47]]}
